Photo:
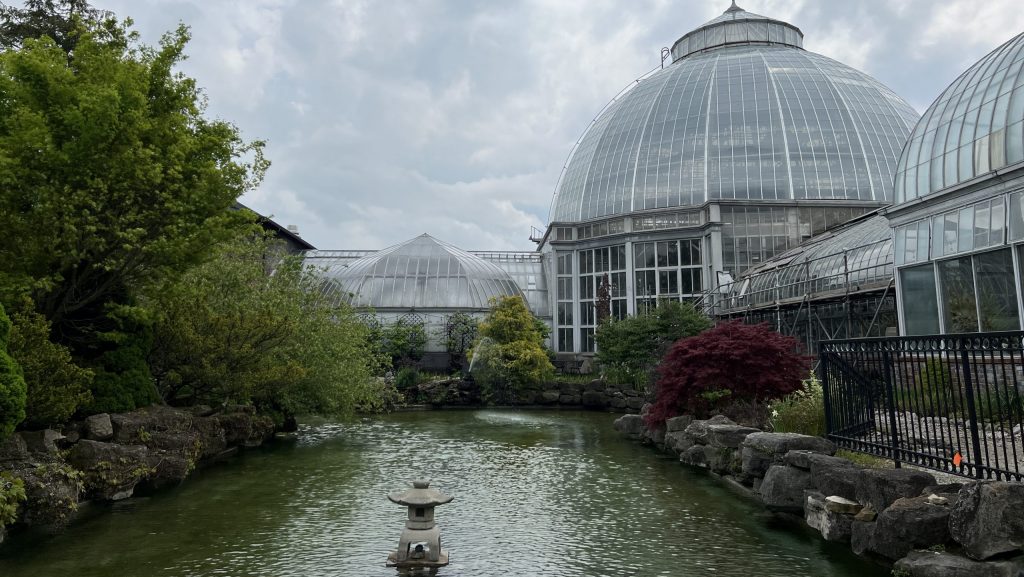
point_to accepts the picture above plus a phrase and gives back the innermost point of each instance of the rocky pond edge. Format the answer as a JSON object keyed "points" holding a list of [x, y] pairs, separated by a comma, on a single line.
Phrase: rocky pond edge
{"points": [[111, 457], [900, 517]]}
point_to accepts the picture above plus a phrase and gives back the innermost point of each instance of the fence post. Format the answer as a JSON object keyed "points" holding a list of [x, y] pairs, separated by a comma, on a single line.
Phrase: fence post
{"points": [[972, 413], [825, 386], [890, 403]]}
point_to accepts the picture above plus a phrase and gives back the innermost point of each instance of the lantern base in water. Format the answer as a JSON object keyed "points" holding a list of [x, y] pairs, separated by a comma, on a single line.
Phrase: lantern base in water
{"points": [[393, 561]]}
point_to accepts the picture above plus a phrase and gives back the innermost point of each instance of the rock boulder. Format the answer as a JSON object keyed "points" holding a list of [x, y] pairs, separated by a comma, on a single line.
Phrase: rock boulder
{"points": [[988, 519], [941, 564], [110, 471], [882, 487], [783, 488], [99, 427], [762, 450], [630, 425], [908, 524]]}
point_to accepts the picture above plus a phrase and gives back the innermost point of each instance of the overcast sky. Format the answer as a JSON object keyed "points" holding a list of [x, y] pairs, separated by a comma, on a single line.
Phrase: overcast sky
{"points": [[389, 118]]}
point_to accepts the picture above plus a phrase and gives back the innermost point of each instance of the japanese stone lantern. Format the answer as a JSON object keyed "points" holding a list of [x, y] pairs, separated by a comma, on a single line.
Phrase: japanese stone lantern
{"points": [[420, 542]]}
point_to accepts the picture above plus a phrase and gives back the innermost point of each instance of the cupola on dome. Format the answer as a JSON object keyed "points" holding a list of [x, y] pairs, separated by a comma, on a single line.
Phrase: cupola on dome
{"points": [[743, 113]]}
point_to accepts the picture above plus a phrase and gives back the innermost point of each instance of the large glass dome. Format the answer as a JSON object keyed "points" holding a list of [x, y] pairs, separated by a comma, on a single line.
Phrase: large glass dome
{"points": [[743, 113], [422, 273], [973, 128]]}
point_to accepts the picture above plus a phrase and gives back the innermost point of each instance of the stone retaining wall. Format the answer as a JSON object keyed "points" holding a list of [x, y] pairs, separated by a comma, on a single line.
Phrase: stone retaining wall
{"points": [[595, 395], [111, 457], [897, 516]]}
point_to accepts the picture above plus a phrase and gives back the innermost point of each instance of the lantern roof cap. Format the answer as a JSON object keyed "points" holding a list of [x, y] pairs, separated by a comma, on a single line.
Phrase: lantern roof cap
{"points": [[421, 495]]}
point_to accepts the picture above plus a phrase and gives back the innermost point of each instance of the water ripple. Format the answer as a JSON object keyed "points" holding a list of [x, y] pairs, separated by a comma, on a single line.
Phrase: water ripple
{"points": [[536, 493]]}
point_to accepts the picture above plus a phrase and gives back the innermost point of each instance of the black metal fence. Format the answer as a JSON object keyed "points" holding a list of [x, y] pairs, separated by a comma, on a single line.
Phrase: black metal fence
{"points": [[952, 403]]}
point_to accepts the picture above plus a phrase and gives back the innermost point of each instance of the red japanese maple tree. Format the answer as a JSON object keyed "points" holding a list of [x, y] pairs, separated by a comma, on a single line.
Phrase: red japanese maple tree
{"points": [[731, 362]]}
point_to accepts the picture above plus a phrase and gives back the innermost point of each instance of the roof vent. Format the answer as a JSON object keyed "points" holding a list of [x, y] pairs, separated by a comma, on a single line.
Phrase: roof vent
{"points": [[293, 229]]}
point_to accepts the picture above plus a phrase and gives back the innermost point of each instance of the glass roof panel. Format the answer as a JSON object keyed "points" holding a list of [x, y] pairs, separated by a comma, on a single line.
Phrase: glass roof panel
{"points": [[952, 143], [423, 273], [745, 121]]}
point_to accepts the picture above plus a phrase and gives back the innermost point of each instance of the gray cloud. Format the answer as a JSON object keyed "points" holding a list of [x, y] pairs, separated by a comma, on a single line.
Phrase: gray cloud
{"points": [[454, 117]]}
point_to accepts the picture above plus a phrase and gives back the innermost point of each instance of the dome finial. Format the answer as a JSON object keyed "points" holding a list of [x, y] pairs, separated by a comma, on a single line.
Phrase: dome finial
{"points": [[734, 8]]}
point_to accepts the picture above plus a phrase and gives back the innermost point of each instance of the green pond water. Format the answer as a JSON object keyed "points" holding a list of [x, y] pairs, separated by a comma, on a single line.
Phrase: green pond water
{"points": [[536, 493]]}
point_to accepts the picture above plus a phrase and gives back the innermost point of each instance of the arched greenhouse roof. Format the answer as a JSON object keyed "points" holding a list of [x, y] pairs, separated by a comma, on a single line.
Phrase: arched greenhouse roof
{"points": [[853, 258], [743, 113], [422, 273], [974, 128]]}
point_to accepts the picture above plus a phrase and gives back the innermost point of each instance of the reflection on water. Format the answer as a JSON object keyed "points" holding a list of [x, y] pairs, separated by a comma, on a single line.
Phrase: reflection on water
{"points": [[536, 493]]}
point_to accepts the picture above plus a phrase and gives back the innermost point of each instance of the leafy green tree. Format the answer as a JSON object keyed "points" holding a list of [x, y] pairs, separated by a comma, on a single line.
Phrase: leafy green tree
{"points": [[57, 387], [112, 178], [122, 379], [509, 355], [12, 385], [630, 349], [404, 341], [460, 332], [230, 333], [61, 20]]}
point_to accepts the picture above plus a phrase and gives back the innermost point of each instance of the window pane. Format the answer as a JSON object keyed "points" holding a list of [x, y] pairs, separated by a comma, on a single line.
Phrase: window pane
{"points": [[959, 305], [1017, 215], [966, 241], [997, 294], [919, 303]]}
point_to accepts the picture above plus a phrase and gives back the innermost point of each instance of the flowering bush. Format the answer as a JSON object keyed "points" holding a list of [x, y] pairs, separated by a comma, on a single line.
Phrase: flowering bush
{"points": [[730, 363], [802, 411]]}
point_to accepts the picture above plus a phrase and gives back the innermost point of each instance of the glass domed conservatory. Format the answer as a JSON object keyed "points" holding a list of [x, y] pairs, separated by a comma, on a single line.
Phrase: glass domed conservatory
{"points": [[743, 148], [959, 213], [425, 281]]}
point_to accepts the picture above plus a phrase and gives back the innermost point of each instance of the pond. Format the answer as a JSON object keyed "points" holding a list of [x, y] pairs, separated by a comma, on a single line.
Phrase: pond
{"points": [[552, 494]]}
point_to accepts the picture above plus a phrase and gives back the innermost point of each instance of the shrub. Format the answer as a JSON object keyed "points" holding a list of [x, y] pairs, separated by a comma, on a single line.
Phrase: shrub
{"points": [[122, 380], [12, 493], [802, 411], [229, 332], [752, 362], [630, 349], [407, 378], [57, 387], [404, 342], [459, 333], [509, 355], [933, 394], [12, 384]]}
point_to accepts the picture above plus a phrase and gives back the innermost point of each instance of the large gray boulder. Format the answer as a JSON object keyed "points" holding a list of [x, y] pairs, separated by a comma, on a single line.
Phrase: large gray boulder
{"points": [[861, 535], [99, 427], [988, 519], [882, 487], [942, 564], [908, 524], [722, 460], [654, 436], [730, 436], [762, 450], [13, 448], [678, 423], [694, 456], [677, 442], [593, 399], [132, 428], [52, 491], [833, 525], [698, 430], [630, 425], [834, 476], [110, 471], [42, 442], [783, 488]]}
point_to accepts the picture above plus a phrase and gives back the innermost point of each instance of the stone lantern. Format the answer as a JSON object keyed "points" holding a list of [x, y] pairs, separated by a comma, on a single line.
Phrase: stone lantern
{"points": [[420, 543]]}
